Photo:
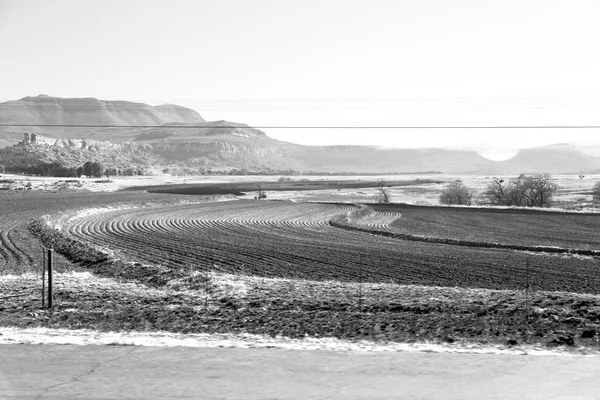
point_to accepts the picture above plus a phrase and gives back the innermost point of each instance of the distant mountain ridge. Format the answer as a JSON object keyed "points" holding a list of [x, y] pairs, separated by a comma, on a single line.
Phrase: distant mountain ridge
{"points": [[47, 110], [556, 158], [176, 134]]}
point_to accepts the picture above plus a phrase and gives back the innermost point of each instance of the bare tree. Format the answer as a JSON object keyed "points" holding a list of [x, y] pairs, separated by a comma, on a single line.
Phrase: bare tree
{"points": [[495, 192], [261, 193], [383, 195], [457, 193], [522, 191], [540, 189]]}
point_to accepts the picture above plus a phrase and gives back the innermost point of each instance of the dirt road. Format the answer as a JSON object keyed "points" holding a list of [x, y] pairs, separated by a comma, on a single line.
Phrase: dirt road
{"points": [[53, 372]]}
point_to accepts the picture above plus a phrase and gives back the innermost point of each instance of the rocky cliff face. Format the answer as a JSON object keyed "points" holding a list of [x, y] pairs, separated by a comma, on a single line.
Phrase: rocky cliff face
{"points": [[171, 134], [82, 144]]}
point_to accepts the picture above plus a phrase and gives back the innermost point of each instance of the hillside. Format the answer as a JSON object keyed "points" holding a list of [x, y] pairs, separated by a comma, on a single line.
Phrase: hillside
{"points": [[171, 135], [47, 110], [373, 159], [557, 158]]}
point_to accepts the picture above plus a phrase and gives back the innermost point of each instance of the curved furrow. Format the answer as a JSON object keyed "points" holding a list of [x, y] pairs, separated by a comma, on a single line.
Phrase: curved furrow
{"points": [[11, 253], [296, 240], [5, 253], [128, 230], [379, 220], [148, 224], [23, 254]]}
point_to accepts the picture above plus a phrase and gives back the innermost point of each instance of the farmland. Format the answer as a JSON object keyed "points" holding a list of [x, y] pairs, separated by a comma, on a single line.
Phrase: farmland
{"points": [[496, 225], [19, 250], [301, 273], [295, 240]]}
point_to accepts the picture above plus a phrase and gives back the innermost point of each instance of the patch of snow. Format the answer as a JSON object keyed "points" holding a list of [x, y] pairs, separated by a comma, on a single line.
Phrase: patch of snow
{"points": [[165, 339], [566, 254]]}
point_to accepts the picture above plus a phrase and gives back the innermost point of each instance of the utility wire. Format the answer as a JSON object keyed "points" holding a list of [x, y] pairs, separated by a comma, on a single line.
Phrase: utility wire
{"points": [[301, 127]]}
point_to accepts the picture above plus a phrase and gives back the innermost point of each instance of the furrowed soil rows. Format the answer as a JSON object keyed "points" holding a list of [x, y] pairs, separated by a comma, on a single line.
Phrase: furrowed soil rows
{"points": [[295, 240], [19, 250], [495, 225]]}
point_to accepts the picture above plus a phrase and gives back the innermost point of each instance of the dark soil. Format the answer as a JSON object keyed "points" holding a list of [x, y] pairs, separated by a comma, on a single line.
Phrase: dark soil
{"points": [[238, 188], [302, 308]]}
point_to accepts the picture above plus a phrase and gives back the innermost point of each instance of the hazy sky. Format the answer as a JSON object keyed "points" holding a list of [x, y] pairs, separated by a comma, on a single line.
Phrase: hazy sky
{"points": [[323, 62]]}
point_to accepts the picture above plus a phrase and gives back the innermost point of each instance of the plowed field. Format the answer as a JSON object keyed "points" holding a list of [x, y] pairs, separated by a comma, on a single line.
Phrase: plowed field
{"points": [[508, 226], [19, 250], [295, 240]]}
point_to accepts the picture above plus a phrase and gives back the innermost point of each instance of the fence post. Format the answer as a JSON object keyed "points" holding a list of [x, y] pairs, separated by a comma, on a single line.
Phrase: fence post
{"points": [[527, 292], [43, 277], [49, 278]]}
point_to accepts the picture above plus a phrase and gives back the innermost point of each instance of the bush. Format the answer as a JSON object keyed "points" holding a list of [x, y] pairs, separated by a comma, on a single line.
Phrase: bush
{"points": [[456, 193], [522, 191]]}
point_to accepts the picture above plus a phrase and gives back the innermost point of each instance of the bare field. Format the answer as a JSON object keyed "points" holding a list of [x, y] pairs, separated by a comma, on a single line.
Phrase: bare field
{"points": [[296, 240], [518, 226], [295, 273]]}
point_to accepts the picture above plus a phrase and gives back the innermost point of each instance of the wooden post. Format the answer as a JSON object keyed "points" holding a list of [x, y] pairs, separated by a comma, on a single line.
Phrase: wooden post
{"points": [[49, 278], [527, 292], [43, 277]]}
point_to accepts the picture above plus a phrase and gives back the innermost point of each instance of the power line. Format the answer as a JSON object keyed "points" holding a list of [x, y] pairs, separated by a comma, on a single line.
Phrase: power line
{"points": [[300, 127]]}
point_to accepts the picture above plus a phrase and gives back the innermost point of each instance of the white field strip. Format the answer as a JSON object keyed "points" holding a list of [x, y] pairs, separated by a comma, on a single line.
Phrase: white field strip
{"points": [[266, 215], [57, 221], [83, 337], [379, 220]]}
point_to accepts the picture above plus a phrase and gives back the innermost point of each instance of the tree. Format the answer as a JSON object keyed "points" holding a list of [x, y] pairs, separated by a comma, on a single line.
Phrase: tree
{"points": [[79, 172], [261, 193], [495, 192], [456, 193], [2, 169], [87, 169], [522, 191], [540, 189], [383, 195], [596, 194], [97, 170], [110, 171]]}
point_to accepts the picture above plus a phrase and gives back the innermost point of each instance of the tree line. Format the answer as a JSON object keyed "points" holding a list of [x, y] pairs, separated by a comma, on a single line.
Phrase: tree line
{"points": [[90, 169], [521, 191]]}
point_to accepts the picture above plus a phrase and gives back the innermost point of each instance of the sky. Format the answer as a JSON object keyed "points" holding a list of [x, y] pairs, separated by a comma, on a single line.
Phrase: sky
{"points": [[325, 63]]}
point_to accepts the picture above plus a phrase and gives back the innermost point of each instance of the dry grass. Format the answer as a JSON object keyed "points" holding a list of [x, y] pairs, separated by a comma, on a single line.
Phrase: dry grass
{"points": [[224, 303]]}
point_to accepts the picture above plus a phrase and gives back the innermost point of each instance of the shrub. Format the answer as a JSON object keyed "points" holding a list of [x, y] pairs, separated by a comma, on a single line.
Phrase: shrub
{"points": [[383, 194], [456, 193]]}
